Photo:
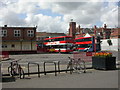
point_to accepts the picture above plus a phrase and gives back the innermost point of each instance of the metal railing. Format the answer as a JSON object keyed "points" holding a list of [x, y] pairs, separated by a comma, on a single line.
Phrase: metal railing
{"points": [[15, 68]]}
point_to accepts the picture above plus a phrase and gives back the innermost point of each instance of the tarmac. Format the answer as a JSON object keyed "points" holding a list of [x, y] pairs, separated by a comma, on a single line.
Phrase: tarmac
{"points": [[91, 79]]}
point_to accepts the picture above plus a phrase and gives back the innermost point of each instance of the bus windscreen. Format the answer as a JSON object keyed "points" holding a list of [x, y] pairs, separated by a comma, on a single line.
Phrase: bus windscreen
{"points": [[83, 40]]}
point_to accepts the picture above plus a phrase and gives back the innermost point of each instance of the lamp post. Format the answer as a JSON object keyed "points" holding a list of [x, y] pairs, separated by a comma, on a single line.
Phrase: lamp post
{"points": [[31, 44], [21, 40], [95, 38]]}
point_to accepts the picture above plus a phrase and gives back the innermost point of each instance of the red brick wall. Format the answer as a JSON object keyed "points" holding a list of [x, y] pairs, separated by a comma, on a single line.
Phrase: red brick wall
{"points": [[10, 33], [72, 29]]}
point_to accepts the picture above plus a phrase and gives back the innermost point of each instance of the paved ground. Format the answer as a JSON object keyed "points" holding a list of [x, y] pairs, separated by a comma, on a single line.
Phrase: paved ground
{"points": [[91, 79]]}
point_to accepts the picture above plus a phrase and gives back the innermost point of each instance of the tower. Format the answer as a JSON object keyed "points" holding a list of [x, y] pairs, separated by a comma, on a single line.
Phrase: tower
{"points": [[72, 29]]}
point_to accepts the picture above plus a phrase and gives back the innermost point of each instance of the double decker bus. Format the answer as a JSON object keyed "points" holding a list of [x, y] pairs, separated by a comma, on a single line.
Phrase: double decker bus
{"points": [[85, 44], [59, 44]]}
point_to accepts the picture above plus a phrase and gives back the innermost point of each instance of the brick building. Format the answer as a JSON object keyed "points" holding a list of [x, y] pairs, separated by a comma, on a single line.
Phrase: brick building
{"points": [[19, 39], [103, 32], [115, 33], [72, 29]]}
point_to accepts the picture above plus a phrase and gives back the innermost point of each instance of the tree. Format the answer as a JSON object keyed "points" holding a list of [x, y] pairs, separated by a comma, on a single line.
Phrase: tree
{"points": [[109, 42]]}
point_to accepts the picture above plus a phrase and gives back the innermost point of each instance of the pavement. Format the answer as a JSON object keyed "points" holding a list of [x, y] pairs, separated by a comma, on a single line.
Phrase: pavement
{"points": [[91, 79]]}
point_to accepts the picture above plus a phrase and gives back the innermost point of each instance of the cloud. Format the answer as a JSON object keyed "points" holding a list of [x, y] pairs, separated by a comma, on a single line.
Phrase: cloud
{"points": [[87, 14], [84, 13], [66, 7], [110, 15], [12, 19], [46, 23]]}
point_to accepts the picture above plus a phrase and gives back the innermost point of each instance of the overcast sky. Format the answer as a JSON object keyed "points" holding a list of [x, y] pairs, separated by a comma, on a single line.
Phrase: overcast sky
{"points": [[54, 16]]}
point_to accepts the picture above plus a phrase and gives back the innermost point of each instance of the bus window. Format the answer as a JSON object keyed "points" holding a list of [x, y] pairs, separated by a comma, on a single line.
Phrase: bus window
{"points": [[87, 39], [68, 38], [85, 46], [83, 40], [46, 40], [59, 39], [79, 40]]}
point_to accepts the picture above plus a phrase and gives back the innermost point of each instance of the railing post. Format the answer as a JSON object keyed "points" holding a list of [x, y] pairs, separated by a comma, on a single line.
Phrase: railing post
{"points": [[28, 69], [38, 71], [59, 66], [55, 69], [44, 69]]}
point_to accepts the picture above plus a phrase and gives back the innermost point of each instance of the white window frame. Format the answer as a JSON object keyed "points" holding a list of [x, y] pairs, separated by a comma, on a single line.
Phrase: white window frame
{"points": [[17, 33], [4, 45], [30, 33], [4, 33], [12, 44]]}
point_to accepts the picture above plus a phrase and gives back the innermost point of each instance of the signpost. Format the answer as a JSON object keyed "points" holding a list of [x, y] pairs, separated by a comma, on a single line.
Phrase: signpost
{"points": [[95, 38], [88, 53]]}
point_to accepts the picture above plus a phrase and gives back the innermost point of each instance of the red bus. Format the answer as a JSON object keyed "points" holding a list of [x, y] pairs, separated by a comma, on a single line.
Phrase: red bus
{"points": [[59, 44], [85, 43]]}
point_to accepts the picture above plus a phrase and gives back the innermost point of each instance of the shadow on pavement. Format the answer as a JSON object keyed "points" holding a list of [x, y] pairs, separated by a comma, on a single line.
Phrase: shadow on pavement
{"points": [[8, 79]]}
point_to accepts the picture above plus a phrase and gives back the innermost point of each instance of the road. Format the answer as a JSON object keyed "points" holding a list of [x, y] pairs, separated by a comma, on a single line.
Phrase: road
{"points": [[91, 79]]}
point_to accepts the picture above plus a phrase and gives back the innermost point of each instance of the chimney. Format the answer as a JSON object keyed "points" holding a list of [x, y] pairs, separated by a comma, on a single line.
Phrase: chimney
{"points": [[105, 26], [95, 29], [5, 25], [79, 29]]}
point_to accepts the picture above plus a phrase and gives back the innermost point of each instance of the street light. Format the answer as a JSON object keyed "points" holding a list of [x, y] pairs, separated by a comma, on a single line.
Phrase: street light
{"points": [[31, 44], [95, 38], [21, 40]]}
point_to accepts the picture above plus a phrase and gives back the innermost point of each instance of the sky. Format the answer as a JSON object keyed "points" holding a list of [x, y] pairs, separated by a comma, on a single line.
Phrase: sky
{"points": [[55, 15]]}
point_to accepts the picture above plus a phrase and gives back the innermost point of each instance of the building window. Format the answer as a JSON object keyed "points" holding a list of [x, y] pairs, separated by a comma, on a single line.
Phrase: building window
{"points": [[13, 45], [17, 33], [4, 46], [4, 33], [30, 33]]}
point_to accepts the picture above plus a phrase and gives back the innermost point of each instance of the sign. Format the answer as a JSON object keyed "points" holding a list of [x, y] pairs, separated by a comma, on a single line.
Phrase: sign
{"points": [[88, 53], [52, 50], [53, 43]]}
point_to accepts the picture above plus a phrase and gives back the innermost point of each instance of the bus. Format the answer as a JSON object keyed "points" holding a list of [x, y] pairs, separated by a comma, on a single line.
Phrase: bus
{"points": [[59, 44], [86, 44]]}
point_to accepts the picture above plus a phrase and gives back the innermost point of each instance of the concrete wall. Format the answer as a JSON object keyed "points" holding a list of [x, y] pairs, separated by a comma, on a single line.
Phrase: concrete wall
{"points": [[26, 46], [114, 47]]}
